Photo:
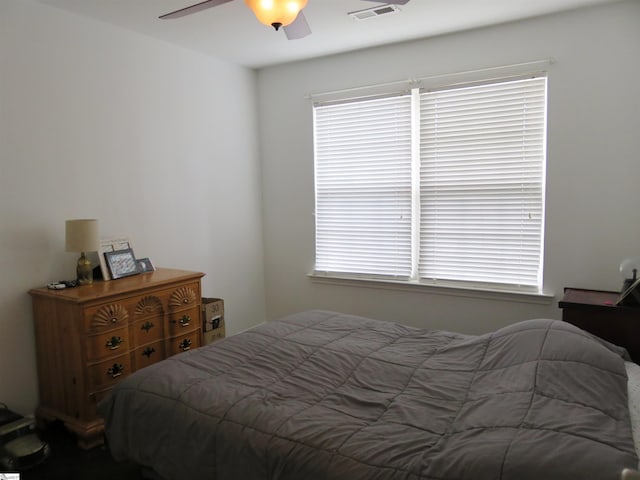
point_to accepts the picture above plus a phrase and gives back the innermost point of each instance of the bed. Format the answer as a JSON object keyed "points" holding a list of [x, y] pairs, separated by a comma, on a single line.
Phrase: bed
{"points": [[324, 395]]}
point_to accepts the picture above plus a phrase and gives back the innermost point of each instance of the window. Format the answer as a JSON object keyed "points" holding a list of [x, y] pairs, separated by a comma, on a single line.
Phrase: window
{"points": [[443, 185]]}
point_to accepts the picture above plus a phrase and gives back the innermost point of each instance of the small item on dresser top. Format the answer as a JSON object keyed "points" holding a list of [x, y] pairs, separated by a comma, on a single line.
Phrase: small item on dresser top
{"points": [[62, 284], [81, 236]]}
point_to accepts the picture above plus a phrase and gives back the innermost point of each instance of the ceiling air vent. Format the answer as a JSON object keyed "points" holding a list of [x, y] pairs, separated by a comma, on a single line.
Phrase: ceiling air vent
{"points": [[374, 12]]}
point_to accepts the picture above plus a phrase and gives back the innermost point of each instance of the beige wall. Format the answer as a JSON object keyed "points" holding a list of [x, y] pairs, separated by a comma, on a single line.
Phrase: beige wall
{"points": [[157, 142], [593, 166], [162, 144]]}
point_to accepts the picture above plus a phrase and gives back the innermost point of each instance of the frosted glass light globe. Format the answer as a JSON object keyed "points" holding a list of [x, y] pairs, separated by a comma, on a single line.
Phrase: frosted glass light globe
{"points": [[629, 267]]}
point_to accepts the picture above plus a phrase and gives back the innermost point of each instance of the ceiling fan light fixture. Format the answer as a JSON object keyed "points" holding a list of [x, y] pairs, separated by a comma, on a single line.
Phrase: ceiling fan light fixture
{"points": [[276, 13]]}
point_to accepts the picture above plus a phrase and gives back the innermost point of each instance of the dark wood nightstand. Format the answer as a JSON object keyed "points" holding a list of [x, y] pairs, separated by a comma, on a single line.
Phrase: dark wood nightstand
{"points": [[596, 312]]}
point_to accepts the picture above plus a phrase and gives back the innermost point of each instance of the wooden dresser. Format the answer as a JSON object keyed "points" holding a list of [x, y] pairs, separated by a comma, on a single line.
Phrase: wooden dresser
{"points": [[90, 337]]}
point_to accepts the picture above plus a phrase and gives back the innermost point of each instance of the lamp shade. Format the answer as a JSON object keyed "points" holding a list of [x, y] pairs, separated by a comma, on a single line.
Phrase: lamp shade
{"points": [[81, 235], [277, 13]]}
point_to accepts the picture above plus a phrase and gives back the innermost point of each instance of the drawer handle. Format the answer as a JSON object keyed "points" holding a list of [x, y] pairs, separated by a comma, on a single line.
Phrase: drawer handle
{"points": [[116, 370], [114, 319], [147, 326], [148, 352], [114, 343], [185, 344], [185, 300], [184, 321]]}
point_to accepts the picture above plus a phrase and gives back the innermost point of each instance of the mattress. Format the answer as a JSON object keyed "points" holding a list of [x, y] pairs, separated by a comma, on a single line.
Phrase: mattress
{"points": [[324, 395]]}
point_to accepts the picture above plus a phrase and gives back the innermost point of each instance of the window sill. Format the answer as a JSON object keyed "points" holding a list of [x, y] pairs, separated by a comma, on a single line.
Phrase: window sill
{"points": [[442, 288]]}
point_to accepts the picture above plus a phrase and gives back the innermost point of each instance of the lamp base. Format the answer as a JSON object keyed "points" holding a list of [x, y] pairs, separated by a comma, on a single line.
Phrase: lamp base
{"points": [[84, 271]]}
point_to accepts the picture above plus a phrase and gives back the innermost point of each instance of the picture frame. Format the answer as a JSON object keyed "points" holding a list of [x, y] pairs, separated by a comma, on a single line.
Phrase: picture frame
{"points": [[111, 244], [122, 263], [145, 265]]}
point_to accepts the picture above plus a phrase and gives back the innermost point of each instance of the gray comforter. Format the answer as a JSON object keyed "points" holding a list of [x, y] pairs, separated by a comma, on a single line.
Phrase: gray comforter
{"points": [[320, 395]]}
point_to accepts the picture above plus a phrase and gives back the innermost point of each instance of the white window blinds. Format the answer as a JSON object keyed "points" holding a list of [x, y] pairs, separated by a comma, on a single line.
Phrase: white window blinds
{"points": [[481, 182], [448, 186], [363, 187]]}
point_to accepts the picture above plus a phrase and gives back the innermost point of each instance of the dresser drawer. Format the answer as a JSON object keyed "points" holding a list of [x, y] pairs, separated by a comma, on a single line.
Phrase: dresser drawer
{"points": [[185, 342], [97, 397], [184, 321], [146, 331], [107, 344], [161, 301], [94, 399], [148, 355], [184, 297], [102, 318], [108, 372]]}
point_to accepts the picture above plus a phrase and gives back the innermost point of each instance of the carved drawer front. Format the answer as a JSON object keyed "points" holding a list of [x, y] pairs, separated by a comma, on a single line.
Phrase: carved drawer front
{"points": [[148, 354], [184, 321], [106, 317], [108, 344], [185, 296], [151, 305], [109, 372], [184, 343]]}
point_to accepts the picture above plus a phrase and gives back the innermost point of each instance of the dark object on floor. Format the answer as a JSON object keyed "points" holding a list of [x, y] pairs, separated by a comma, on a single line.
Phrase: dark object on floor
{"points": [[69, 462], [20, 446]]}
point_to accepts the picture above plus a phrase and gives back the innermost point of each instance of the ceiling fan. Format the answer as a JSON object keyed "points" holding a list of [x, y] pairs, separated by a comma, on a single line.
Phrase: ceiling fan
{"points": [[294, 25]]}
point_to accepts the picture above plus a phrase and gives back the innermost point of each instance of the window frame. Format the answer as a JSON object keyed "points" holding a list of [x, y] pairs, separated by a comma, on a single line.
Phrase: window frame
{"points": [[414, 280]]}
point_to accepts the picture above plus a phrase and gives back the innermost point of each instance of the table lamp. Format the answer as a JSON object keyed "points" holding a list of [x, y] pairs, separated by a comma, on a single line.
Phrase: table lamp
{"points": [[82, 236], [629, 270]]}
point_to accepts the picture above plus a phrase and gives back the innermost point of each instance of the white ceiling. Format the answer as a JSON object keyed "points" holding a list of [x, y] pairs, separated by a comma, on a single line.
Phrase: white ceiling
{"points": [[231, 32]]}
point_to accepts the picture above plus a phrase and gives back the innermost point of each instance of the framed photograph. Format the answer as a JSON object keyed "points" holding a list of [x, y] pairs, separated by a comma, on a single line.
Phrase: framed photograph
{"points": [[145, 265], [121, 263], [111, 245]]}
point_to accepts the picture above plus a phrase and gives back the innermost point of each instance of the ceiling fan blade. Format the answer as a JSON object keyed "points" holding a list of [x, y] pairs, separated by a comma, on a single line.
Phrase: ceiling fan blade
{"points": [[194, 8], [299, 28], [392, 2]]}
